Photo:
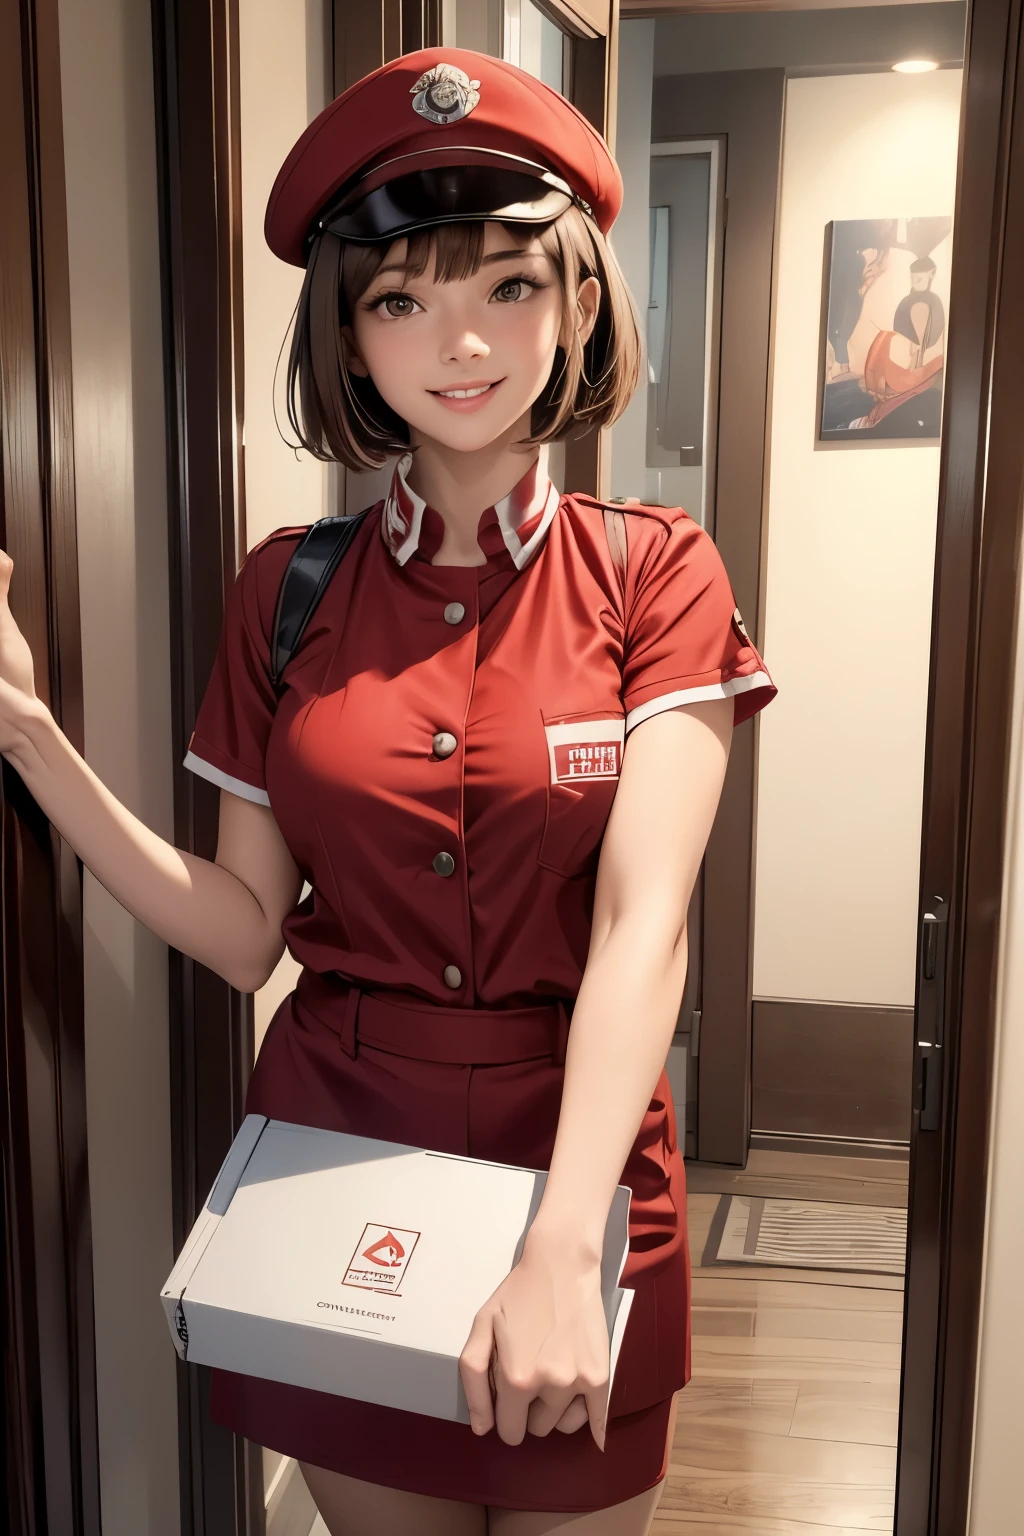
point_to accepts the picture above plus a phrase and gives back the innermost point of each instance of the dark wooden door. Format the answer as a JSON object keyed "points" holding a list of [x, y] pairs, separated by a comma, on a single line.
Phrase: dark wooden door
{"points": [[51, 1483], [968, 745]]}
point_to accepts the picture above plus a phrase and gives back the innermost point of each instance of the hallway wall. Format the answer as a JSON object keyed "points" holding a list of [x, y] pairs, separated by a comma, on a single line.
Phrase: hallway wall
{"points": [[851, 532]]}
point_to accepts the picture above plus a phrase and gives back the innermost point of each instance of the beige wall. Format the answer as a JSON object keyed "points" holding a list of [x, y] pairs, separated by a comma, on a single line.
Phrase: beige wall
{"points": [[281, 87], [996, 1487], [120, 473], [849, 577]]}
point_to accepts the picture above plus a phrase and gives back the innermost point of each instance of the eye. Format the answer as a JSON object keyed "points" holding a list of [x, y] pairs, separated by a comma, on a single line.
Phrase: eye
{"points": [[393, 306], [514, 289]]}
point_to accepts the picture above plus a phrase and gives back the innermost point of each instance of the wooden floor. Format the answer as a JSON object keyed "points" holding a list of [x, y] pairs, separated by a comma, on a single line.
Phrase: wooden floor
{"points": [[788, 1426]]}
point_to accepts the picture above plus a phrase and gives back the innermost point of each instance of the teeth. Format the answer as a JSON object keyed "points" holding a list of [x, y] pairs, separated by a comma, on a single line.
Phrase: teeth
{"points": [[463, 394]]}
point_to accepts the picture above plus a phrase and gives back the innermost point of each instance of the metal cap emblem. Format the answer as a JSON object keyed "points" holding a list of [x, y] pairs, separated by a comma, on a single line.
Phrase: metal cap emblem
{"points": [[444, 94]]}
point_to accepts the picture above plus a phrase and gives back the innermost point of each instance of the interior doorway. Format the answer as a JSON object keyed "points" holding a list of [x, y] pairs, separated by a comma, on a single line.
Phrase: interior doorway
{"points": [[813, 1058], [723, 1116]]}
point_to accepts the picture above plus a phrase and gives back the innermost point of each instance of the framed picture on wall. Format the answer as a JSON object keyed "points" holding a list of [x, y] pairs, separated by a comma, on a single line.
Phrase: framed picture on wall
{"points": [[887, 287]]}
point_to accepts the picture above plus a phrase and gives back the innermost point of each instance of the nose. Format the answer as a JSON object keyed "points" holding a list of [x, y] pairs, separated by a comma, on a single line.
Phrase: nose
{"points": [[462, 344]]}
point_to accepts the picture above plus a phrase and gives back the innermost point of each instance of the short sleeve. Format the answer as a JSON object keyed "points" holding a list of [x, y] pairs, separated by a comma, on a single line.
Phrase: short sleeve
{"points": [[229, 743], [685, 638]]}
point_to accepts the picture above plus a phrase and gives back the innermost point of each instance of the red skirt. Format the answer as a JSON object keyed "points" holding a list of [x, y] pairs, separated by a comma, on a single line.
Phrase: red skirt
{"points": [[474, 1082]]}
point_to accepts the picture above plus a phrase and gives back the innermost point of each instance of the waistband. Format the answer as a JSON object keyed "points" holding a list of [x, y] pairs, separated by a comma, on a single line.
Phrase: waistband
{"points": [[392, 1021]]}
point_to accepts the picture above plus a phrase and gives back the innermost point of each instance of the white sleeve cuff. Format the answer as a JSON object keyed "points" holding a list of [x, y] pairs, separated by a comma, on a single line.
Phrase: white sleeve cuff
{"points": [[225, 781], [696, 696]]}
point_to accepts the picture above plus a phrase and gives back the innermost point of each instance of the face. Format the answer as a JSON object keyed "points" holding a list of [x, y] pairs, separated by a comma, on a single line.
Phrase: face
{"points": [[462, 362]]}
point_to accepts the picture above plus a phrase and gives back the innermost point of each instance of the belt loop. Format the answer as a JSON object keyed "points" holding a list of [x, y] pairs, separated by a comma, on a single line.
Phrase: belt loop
{"points": [[348, 1027], [562, 1031]]}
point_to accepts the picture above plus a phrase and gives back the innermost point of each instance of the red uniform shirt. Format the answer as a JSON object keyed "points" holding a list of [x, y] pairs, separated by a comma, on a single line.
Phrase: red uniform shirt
{"points": [[446, 749]]}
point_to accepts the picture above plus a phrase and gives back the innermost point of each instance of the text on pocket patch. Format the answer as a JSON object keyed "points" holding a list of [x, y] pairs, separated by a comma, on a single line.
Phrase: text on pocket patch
{"points": [[585, 749]]}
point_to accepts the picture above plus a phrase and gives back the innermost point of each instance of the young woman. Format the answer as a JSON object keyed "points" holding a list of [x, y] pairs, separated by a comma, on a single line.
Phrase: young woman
{"points": [[445, 762]]}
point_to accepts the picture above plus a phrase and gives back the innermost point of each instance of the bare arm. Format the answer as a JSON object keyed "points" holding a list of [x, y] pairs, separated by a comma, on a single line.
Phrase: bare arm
{"points": [[545, 1324], [628, 1002], [226, 914]]}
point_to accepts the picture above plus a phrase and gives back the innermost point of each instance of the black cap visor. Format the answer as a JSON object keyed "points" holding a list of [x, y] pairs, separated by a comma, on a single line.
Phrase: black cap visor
{"points": [[444, 195]]}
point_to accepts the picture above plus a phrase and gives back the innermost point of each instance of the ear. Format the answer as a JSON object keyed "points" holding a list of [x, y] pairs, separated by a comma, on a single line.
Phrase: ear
{"points": [[350, 354], [588, 302]]}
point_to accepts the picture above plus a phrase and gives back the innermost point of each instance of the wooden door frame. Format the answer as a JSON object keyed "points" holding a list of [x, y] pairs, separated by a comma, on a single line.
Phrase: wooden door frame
{"points": [[195, 58], [51, 1446], [969, 731]]}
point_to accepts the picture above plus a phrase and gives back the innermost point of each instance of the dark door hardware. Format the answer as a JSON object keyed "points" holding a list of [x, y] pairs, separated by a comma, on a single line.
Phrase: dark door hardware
{"points": [[932, 992], [931, 1001]]}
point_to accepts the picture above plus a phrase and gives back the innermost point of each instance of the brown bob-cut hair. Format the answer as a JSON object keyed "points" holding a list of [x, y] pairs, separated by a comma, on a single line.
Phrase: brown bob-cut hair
{"points": [[339, 415]]}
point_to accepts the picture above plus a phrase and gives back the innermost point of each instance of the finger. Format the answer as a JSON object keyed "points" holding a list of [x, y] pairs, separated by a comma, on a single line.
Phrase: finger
{"points": [[574, 1417], [597, 1412], [511, 1408], [475, 1370], [515, 1389], [549, 1408]]}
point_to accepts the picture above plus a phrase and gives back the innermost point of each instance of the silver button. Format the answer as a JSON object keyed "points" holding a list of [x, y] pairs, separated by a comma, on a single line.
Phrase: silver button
{"points": [[445, 743], [444, 863], [452, 976], [454, 613]]}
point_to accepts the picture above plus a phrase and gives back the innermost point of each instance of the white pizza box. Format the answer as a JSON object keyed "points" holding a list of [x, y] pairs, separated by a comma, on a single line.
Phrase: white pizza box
{"points": [[356, 1266]]}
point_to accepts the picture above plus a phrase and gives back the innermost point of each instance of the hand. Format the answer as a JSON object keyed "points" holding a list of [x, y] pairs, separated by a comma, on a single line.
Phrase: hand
{"points": [[543, 1339], [17, 675]]}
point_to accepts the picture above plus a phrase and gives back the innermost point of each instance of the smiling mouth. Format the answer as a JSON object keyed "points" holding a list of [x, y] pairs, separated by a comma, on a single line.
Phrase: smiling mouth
{"points": [[466, 391]]}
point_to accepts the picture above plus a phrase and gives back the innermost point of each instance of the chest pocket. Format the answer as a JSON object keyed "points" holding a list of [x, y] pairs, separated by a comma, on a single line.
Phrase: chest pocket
{"points": [[584, 756]]}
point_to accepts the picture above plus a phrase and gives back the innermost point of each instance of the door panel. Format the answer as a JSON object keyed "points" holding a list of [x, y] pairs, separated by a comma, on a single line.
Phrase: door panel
{"points": [[51, 1486], [969, 715]]}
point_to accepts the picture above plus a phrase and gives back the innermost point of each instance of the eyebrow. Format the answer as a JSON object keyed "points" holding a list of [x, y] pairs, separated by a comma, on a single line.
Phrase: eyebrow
{"points": [[517, 253]]}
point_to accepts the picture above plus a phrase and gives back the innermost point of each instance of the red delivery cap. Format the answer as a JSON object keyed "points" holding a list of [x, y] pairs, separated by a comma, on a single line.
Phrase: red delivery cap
{"points": [[434, 137]]}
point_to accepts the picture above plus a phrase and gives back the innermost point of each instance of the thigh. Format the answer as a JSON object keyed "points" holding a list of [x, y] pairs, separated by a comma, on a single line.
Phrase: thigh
{"points": [[632, 1518], [350, 1507]]}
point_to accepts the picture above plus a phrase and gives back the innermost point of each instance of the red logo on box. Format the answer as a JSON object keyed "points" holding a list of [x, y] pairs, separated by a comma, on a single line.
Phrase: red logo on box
{"points": [[381, 1258], [386, 1250]]}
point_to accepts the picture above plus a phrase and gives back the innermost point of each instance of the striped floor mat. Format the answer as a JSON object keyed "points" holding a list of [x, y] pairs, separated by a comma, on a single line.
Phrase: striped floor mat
{"points": [[807, 1234]]}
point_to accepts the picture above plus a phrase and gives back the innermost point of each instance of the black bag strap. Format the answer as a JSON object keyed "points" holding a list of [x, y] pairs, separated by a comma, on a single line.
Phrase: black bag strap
{"points": [[313, 562], [315, 559]]}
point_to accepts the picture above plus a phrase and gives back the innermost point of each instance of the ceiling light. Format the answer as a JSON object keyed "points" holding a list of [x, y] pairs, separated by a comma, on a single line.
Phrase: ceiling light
{"points": [[915, 66]]}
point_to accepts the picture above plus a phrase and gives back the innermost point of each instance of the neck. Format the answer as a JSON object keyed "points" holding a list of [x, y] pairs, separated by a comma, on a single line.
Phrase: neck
{"points": [[459, 486]]}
